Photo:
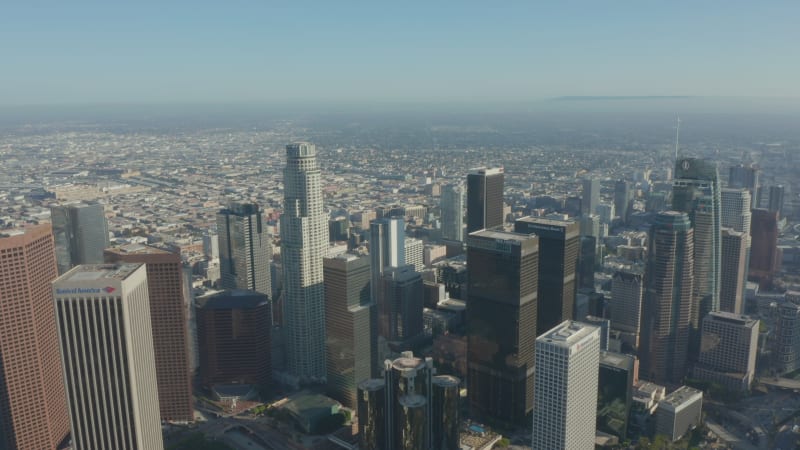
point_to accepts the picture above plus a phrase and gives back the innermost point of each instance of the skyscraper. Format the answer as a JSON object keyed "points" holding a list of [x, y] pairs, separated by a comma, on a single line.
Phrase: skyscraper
{"points": [[776, 194], [728, 350], [234, 337], [414, 250], [33, 405], [387, 248], [565, 405], [623, 200], [81, 234], [245, 250], [764, 248], [746, 177], [559, 244], [501, 323], [452, 207], [666, 320], [485, 199], [169, 324], [590, 197], [696, 192], [400, 310], [734, 275], [351, 340], [736, 214], [627, 294], [304, 239], [107, 356]]}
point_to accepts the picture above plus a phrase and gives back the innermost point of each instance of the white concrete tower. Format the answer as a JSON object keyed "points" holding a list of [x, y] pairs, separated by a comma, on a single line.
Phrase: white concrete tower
{"points": [[304, 239]]}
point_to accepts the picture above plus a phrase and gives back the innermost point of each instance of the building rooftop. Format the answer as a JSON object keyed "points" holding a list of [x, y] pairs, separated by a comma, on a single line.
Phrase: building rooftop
{"points": [[567, 333], [137, 249], [546, 221], [616, 360], [232, 299], [735, 319], [94, 272], [681, 395], [501, 235]]}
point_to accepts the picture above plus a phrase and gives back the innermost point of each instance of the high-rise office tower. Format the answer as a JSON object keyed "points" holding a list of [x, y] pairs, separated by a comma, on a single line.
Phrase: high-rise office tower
{"points": [[485, 199], [387, 248], [234, 338], [764, 246], [410, 408], [734, 273], [627, 294], [736, 214], [559, 244], [615, 392], [452, 207], [736, 209], [245, 250], [33, 406], [728, 350], [623, 200], [666, 319], [415, 253], [81, 234], [696, 192], [590, 197], [567, 367], [351, 340], [587, 259], [169, 324], [107, 356], [776, 194], [787, 348], [304, 239], [400, 310], [501, 323], [746, 177]]}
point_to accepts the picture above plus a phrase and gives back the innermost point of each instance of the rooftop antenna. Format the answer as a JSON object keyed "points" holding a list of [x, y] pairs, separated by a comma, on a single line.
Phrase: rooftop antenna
{"points": [[677, 136]]}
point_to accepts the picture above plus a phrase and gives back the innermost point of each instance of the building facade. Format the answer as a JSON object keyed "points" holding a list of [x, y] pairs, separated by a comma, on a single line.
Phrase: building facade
{"points": [[501, 323], [233, 334], [764, 256], [33, 405], [567, 370], [734, 274], [625, 307], [559, 245], [485, 199], [112, 391], [590, 197], [169, 323], [351, 333], [666, 322], [81, 234], [452, 212], [245, 249], [304, 238], [696, 192], [728, 350], [400, 320]]}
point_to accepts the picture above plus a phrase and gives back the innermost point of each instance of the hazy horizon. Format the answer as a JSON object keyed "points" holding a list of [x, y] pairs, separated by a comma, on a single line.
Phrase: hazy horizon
{"points": [[203, 52]]}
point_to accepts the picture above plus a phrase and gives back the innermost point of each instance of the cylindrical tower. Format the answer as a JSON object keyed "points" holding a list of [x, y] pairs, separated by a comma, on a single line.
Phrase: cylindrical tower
{"points": [[411, 423], [445, 412], [372, 414]]}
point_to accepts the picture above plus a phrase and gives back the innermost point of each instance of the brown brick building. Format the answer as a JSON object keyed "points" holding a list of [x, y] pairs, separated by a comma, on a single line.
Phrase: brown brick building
{"points": [[33, 405], [169, 323]]}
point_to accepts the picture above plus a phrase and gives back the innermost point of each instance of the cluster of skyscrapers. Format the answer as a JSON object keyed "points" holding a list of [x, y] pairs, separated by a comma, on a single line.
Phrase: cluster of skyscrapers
{"points": [[103, 353]]}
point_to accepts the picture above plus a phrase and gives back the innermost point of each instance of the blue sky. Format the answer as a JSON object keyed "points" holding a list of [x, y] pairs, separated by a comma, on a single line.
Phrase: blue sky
{"points": [[142, 51]]}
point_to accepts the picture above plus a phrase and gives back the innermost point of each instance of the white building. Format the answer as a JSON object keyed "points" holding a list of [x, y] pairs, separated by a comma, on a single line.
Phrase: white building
{"points": [[415, 253], [565, 387], [304, 241], [109, 368]]}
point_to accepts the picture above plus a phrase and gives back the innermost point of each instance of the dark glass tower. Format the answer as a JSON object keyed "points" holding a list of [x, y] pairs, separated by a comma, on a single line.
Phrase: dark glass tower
{"points": [[666, 319], [559, 245], [485, 199], [245, 249], [696, 192], [81, 234], [623, 200], [501, 323]]}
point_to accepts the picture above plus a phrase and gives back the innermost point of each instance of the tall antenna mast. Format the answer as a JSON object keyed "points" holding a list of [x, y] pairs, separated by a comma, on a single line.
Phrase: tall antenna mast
{"points": [[677, 136]]}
